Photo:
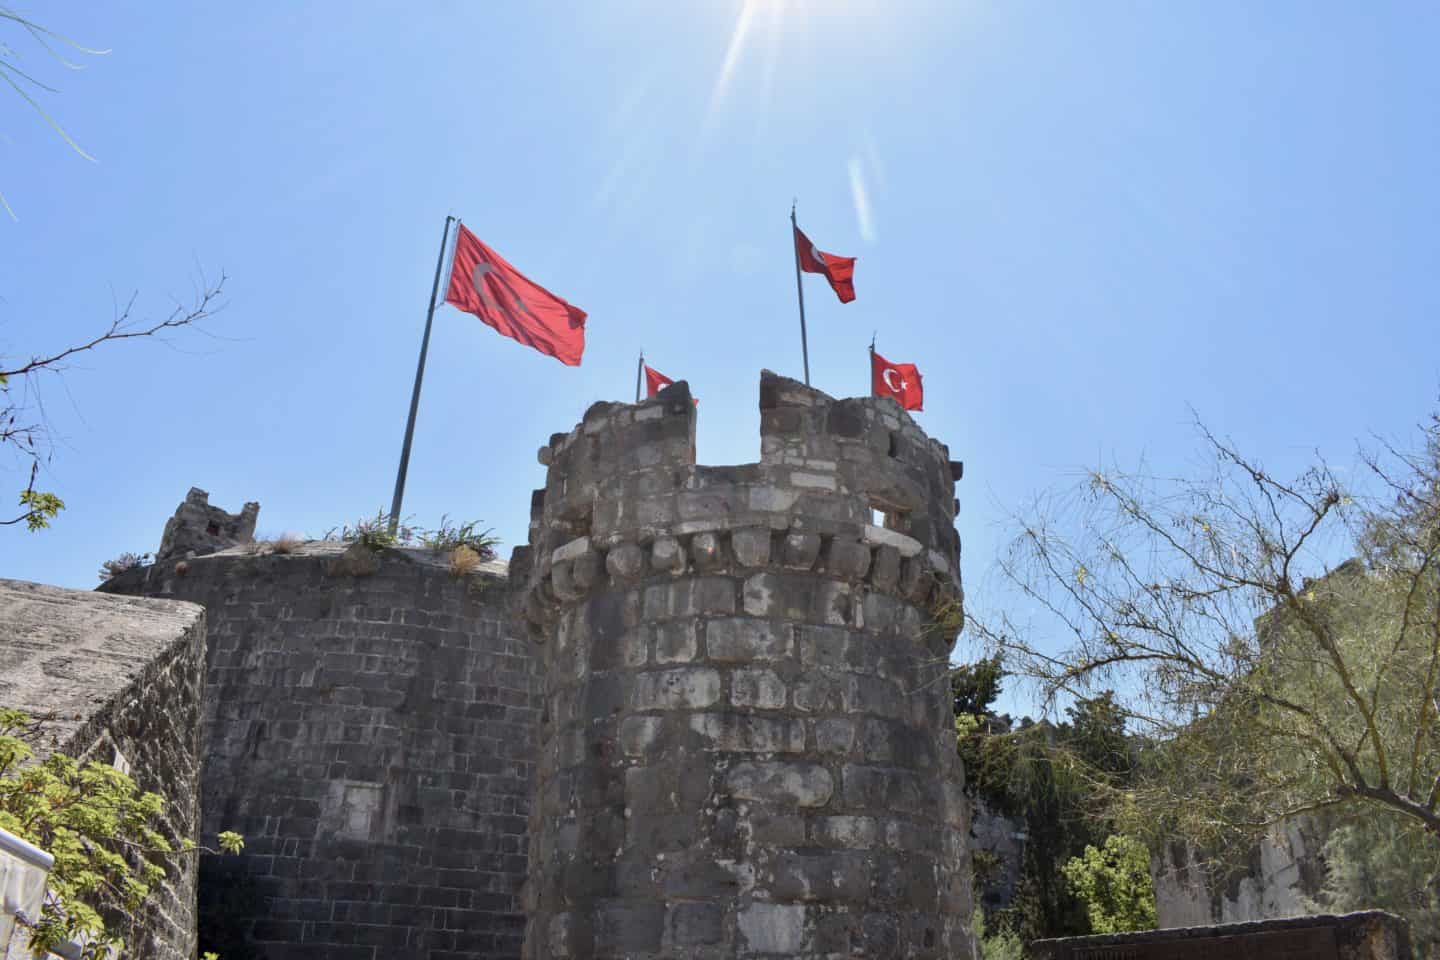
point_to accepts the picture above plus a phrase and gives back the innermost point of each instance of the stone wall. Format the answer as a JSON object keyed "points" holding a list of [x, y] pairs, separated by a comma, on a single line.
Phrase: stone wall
{"points": [[199, 528], [370, 731], [747, 746], [122, 678], [1371, 935], [1283, 870]]}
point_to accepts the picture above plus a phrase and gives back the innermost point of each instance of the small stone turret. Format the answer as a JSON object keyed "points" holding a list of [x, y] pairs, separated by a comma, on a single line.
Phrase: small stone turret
{"points": [[198, 528], [747, 747]]}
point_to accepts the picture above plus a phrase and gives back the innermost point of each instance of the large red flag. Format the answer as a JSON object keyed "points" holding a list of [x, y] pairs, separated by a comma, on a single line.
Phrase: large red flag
{"points": [[900, 381], [655, 380], [840, 271], [482, 283]]}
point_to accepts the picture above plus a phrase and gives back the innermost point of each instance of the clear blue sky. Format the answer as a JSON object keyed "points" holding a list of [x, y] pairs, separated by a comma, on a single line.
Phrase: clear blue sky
{"points": [[1080, 220]]}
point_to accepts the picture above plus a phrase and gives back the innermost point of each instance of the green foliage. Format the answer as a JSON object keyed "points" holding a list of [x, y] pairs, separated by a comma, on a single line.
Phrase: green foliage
{"points": [[1382, 863], [448, 536], [977, 685], [40, 508], [1267, 682], [374, 532], [126, 561], [1003, 944], [99, 827], [1114, 883], [1051, 778]]}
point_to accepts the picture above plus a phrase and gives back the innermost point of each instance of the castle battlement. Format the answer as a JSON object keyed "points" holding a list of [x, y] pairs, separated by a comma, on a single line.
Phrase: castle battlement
{"points": [[747, 744]]}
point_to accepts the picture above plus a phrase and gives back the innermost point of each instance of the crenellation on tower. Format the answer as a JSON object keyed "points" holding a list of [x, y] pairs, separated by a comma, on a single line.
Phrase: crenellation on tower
{"points": [[198, 528], [747, 743]]}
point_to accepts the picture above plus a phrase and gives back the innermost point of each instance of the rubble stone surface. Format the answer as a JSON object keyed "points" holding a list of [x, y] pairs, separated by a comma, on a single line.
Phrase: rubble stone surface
{"points": [[747, 743]]}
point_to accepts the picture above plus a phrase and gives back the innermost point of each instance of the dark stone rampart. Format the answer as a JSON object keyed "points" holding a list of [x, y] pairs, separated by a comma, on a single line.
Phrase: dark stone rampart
{"points": [[747, 747], [119, 680], [372, 736]]}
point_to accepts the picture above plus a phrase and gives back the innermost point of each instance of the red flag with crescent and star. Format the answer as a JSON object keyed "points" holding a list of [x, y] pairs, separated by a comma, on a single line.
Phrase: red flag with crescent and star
{"points": [[655, 381], [482, 283], [899, 381], [840, 271]]}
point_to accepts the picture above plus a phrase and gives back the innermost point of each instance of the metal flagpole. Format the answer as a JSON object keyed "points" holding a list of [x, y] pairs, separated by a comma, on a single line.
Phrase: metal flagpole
{"points": [[800, 292], [419, 375], [870, 373], [639, 367]]}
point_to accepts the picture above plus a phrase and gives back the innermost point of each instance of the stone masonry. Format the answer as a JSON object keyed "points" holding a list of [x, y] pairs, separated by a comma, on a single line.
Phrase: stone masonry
{"points": [[747, 743], [1369, 935], [198, 528], [369, 727], [119, 680]]}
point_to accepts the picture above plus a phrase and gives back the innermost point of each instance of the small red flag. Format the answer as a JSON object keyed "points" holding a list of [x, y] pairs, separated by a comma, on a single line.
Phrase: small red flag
{"points": [[840, 271], [899, 381], [482, 283], [655, 381]]}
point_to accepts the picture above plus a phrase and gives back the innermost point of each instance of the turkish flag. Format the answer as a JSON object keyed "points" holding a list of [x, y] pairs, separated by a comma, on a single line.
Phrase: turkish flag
{"points": [[899, 381], [840, 271], [482, 283], [655, 380]]}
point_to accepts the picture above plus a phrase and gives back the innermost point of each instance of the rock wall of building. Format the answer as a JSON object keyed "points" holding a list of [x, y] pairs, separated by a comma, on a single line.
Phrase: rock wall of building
{"points": [[197, 528], [1282, 871], [121, 679], [370, 729], [747, 745]]}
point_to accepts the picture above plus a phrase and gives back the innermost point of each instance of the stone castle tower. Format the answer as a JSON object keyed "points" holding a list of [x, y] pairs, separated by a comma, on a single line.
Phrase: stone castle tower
{"points": [[746, 746]]}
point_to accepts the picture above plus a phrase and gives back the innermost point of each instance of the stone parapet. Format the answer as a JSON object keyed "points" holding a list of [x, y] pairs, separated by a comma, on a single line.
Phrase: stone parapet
{"points": [[1369, 935], [119, 680], [370, 729], [747, 745]]}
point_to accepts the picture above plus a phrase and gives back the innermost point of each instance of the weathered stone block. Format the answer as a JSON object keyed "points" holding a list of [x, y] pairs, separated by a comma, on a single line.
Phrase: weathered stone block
{"points": [[855, 833], [814, 481], [759, 688], [772, 927], [801, 550], [707, 552], [848, 559], [685, 688], [675, 642], [693, 924], [834, 735], [783, 782], [885, 568], [751, 546], [667, 556], [561, 582], [570, 550], [743, 639], [638, 735], [690, 597], [741, 733], [625, 561]]}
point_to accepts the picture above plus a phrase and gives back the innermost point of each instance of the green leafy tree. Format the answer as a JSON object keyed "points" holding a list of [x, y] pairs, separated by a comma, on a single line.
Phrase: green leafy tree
{"points": [[99, 827], [1114, 883], [1383, 862], [1267, 682], [1048, 777]]}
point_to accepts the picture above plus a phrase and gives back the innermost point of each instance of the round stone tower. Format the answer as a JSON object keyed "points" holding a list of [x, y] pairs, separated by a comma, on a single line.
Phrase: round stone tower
{"points": [[747, 746]]}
